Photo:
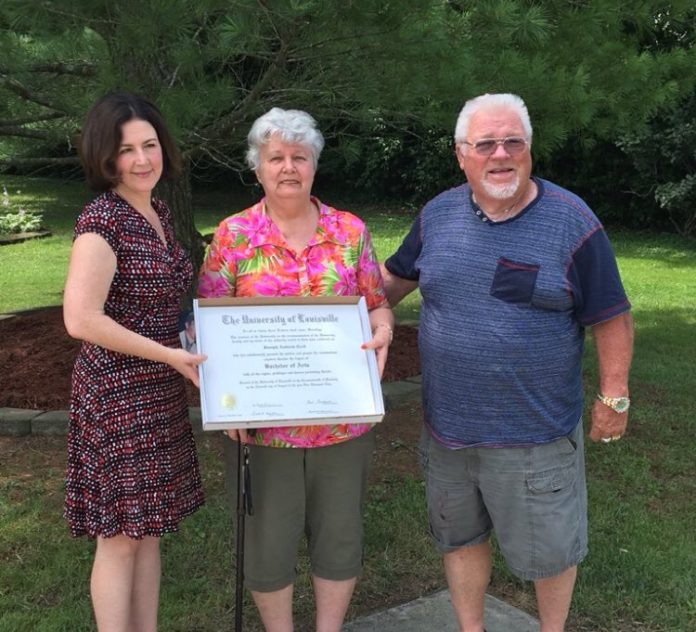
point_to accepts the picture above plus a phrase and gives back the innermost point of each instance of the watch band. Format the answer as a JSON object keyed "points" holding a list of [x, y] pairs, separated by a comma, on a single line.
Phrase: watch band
{"points": [[617, 404]]}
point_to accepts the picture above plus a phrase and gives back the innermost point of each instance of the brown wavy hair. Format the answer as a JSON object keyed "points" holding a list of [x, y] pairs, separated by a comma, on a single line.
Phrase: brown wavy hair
{"points": [[101, 137]]}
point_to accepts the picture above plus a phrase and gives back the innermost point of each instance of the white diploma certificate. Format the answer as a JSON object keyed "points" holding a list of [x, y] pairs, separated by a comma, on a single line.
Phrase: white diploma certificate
{"points": [[286, 361]]}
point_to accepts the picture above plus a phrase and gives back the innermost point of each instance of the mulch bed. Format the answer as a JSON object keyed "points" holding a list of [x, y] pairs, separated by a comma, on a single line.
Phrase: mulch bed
{"points": [[37, 357]]}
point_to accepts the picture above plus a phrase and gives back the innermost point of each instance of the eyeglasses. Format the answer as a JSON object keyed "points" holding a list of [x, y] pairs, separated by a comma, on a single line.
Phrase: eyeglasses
{"points": [[513, 145]]}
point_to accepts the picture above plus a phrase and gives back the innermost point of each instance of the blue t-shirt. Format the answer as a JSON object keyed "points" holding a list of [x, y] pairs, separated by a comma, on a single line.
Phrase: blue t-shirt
{"points": [[503, 315]]}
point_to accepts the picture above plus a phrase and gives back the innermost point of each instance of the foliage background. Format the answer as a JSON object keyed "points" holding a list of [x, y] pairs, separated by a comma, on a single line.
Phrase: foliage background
{"points": [[610, 89]]}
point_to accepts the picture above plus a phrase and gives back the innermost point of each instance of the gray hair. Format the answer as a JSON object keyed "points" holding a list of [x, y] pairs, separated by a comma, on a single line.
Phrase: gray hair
{"points": [[293, 127], [490, 102]]}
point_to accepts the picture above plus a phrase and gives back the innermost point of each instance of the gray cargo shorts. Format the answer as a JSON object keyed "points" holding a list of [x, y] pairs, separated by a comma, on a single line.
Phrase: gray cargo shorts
{"points": [[534, 498]]}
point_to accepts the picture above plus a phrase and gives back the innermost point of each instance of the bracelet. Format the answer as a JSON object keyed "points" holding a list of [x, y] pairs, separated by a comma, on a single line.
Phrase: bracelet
{"points": [[387, 327]]}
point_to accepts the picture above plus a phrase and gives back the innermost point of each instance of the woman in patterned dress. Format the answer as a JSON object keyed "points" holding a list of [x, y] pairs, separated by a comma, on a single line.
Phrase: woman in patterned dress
{"points": [[132, 470], [305, 479]]}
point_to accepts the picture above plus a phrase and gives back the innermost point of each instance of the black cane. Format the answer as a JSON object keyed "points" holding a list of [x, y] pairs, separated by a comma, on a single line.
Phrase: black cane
{"points": [[243, 507]]}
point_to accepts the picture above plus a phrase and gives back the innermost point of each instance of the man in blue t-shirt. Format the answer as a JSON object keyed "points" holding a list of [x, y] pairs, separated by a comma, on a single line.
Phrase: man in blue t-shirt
{"points": [[511, 269]]}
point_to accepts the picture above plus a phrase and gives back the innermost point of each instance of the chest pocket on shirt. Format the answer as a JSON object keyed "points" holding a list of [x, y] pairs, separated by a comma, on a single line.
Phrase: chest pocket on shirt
{"points": [[513, 282]]}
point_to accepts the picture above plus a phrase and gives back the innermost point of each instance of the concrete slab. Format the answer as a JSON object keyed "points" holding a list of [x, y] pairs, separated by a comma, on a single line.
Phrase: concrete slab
{"points": [[434, 613], [54, 423], [416, 379], [396, 393], [16, 422]]}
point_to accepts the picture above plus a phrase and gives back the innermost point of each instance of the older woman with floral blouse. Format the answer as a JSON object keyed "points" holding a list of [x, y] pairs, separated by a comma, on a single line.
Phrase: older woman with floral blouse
{"points": [[306, 479]]}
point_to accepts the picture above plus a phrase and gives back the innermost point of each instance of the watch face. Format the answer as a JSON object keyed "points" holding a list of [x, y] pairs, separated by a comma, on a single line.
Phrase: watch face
{"points": [[617, 404], [621, 404]]}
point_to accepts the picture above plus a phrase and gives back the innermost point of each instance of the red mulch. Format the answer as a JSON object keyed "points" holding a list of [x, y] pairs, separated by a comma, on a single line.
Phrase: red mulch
{"points": [[37, 356]]}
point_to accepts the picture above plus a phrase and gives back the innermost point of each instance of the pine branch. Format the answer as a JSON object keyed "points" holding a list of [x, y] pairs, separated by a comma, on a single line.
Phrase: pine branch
{"points": [[221, 158], [330, 43], [25, 93], [21, 132], [71, 161], [224, 125], [31, 119], [77, 69]]}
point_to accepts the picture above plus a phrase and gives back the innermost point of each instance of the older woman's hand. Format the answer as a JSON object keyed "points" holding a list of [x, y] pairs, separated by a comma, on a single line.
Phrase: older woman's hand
{"points": [[381, 322], [238, 435], [382, 335]]}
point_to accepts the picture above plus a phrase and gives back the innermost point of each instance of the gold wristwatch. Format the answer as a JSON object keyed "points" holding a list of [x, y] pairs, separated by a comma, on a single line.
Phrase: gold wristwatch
{"points": [[618, 404]]}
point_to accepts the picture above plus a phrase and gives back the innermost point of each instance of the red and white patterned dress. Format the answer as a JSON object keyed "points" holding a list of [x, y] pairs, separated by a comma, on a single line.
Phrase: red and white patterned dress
{"points": [[132, 464]]}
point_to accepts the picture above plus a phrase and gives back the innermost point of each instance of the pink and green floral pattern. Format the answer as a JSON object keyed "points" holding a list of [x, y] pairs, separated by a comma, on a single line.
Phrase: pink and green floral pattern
{"points": [[248, 256]]}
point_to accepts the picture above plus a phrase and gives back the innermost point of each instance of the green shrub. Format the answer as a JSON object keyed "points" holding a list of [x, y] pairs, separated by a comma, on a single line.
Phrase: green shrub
{"points": [[16, 219], [664, 162]]}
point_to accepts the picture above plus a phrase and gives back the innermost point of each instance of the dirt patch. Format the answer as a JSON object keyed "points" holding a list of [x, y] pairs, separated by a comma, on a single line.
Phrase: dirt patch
{"points": [[37, 357], [36, 362]]}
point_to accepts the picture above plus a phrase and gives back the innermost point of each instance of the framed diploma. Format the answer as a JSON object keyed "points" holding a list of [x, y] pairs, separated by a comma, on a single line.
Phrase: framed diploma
{"points": [[286, 361]]}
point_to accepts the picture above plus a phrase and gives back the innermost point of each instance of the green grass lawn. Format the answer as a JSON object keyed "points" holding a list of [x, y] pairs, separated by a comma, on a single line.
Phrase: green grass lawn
{"points": [[32, 273], [641, 571]]}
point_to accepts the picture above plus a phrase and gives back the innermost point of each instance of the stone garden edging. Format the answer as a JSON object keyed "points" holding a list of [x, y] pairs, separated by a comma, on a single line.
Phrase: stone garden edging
{"points": [[20, 422], [17, 238]]}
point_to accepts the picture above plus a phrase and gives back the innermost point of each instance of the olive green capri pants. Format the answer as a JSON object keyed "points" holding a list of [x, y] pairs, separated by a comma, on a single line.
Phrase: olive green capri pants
{"points": [[318, 492]]}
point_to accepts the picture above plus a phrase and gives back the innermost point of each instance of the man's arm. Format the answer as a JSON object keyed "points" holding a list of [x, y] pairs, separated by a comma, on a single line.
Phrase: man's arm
{"points": [[614, 343], [395, 286]]}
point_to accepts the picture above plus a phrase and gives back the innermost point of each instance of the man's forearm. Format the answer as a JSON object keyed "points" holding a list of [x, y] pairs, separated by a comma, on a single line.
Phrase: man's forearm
{"points": [[614, 343], [396, 287]]}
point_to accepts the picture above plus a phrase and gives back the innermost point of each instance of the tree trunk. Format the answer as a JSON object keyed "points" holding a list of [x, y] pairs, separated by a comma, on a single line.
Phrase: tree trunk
{"points": [[178, 196]]}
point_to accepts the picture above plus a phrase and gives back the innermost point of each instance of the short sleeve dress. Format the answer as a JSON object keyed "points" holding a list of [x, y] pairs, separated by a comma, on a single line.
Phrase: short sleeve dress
{"points": [[132, 465]]}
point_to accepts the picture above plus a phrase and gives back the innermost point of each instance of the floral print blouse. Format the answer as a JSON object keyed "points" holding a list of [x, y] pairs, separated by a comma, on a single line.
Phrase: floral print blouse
{"points": [[249, 256]]}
